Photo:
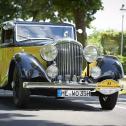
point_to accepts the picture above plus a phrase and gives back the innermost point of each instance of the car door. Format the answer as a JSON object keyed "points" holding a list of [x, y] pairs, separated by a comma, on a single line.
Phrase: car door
{"points": [[6, 53]]}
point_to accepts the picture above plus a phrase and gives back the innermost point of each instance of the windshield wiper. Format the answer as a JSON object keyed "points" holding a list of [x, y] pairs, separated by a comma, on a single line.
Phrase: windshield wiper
{"points": [[27, 38]]}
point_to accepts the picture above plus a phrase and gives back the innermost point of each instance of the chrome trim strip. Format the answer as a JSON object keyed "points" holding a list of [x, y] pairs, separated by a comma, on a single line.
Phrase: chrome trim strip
{"points": [[55, 86], [67, 40]]}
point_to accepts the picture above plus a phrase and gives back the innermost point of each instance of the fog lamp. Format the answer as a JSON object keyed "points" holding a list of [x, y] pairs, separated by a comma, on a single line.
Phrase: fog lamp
{"points": [[52, 71], [95, 72]]}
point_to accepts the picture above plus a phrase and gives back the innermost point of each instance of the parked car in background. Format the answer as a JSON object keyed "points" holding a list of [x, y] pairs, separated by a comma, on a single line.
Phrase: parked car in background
{"points": [[46, 59]]}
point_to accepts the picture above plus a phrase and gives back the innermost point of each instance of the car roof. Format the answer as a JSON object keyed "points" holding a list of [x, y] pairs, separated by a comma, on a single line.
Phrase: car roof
{"points": [[11, 24], [42, 23]]}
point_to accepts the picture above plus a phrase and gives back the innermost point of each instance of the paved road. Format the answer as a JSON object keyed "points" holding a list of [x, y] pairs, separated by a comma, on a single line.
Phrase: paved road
{"points": [[68, 112]]}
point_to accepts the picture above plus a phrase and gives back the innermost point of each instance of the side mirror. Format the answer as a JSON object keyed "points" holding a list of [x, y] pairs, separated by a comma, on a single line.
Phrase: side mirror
{"points": [[80, 31]]}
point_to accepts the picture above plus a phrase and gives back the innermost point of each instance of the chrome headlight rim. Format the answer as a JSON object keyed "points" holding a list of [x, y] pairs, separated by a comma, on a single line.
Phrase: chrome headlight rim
{"points": [[90, 58], [46, 49]]}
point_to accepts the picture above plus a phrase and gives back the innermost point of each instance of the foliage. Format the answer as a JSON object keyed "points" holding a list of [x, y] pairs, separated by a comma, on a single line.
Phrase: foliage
{"points": [[8, 10], [95, 39], [110, 42], [123, 92], [37, 9], [123, 61], [79, 11]]}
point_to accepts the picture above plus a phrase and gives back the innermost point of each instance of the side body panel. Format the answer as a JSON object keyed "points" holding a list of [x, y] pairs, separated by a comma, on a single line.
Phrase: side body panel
{"points": [[7, 54]]}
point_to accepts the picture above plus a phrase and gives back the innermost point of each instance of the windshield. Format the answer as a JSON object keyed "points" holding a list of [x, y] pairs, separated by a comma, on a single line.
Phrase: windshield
{"points": [[26, 32]]}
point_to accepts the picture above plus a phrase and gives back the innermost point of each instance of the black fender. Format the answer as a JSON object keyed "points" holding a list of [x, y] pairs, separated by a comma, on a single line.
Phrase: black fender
{"points": [[111, 68], [30, 68]]}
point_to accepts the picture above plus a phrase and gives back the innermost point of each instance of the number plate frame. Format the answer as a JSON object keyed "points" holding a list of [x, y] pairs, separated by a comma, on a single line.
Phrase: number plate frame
{"points": [[73, 93]]}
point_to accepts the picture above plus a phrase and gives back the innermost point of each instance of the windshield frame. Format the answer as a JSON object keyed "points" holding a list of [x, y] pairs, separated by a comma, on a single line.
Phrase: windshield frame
{"points": [[48, 25]]}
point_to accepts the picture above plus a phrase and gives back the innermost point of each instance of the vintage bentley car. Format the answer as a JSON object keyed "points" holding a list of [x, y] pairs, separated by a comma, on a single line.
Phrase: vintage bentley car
{"points": [[46, 59]]}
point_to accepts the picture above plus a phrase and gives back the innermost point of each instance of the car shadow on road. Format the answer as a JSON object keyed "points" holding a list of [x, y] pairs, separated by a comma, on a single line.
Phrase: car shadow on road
{"points": [[44, 103], [8, 119], [61, 104], [31, 123]]}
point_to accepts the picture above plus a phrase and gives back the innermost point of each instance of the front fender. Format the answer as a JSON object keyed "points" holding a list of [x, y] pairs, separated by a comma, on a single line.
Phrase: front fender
{"points": [[30, 68], [110, 67]]}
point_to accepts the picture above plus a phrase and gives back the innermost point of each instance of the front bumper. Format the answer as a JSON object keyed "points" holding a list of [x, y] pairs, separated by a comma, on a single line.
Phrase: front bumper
{"points": [[106, 87], [46, 85], [53, 87]]}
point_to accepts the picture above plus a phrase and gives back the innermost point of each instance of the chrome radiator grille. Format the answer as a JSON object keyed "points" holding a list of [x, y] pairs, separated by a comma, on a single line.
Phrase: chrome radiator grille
{"points": [[69, 59]]}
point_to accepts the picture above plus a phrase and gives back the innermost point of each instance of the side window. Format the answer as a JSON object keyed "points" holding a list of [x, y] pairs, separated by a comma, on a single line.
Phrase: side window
{"points": [[7, 36]]}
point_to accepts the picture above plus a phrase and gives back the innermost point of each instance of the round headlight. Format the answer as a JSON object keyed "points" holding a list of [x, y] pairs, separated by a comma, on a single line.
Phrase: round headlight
{"points": [[90, 53], [95, 72], [52, 71], [49, 52]]}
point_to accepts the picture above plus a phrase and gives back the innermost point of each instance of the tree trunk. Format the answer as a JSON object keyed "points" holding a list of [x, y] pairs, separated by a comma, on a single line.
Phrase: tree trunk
{"points": [[80, 24], [35, 16]]}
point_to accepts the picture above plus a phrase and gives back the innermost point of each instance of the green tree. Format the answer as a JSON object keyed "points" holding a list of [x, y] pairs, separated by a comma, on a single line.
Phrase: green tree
{"points": [[37, 9], [110, 41], [95, 39], [79, 11], [111, 38], [8, 10]]}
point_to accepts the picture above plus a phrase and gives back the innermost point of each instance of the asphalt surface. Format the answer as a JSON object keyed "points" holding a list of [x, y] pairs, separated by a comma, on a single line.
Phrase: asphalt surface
{"points": [[64, 112]]}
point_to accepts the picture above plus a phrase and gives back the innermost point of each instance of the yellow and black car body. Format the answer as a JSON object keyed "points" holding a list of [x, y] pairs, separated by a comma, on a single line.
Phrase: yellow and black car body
{"points": [[46, 59]]}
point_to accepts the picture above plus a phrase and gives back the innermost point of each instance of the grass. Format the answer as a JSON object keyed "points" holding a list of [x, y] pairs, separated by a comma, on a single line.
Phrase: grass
{"points": [[123, 92]]}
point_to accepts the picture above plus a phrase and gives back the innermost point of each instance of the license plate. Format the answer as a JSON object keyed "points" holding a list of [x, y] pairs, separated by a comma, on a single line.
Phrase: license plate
{"points": [[73, 93]]}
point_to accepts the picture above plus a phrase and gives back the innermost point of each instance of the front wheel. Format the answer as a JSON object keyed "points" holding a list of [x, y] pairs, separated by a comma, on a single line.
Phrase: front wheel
{"points": [[20, 95], [108, 102]]}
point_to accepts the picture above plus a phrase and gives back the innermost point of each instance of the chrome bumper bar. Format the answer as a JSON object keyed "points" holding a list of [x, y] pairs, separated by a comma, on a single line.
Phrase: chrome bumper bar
{"points": [[32, 85]]}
